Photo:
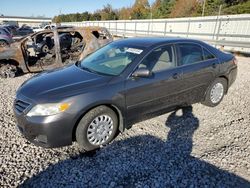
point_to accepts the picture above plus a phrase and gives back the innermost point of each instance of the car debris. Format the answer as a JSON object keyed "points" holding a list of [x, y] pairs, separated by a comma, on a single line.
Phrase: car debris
{"points": [[50, 49], [46, 27]]}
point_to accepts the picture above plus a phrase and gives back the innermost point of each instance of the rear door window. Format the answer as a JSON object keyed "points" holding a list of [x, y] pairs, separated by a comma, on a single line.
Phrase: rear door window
{"points": [[207, 55], [190, 53]]}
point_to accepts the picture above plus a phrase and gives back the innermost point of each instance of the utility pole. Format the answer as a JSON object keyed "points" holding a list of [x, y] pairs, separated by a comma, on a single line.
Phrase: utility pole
{"points": [[151, 13], [220, 10], [203, 9], [151, 17]]}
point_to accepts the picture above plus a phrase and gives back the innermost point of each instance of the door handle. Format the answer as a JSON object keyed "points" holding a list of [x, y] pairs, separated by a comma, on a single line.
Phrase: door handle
{"points": [[175, 76]]}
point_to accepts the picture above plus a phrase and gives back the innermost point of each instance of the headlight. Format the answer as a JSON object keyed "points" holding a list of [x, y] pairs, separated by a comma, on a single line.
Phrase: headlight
{"points": [[48, 109]]}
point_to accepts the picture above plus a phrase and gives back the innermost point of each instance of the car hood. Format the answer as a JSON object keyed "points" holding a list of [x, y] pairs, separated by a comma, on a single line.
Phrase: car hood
{"points": [[61, 83]]}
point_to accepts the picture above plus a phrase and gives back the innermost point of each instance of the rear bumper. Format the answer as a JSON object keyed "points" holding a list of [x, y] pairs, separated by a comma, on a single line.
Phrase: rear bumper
{"points": [[49, 132], [232, 76]]}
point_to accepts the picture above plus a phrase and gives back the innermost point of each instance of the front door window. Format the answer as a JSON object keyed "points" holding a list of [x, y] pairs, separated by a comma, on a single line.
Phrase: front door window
{"points": [[160, 59]]}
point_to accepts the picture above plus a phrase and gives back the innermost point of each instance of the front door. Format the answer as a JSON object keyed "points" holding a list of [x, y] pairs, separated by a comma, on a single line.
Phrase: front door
{"points": [[157, 92]]}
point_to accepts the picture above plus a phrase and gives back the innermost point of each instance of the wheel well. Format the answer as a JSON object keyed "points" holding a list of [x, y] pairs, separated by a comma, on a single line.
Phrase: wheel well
{"points": [[9, 61], [112, 107], [224, 77]]}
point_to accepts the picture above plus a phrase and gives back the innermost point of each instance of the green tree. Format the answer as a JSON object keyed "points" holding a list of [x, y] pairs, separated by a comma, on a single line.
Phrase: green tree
{"points": [[85, 16], [234, 2], [167, 6], [95, 16], [156, 9], [184, 8], [211, 7], [162, 8], [140, 9], [57, 19], [124, 13], [241, 8], [108, 13]]}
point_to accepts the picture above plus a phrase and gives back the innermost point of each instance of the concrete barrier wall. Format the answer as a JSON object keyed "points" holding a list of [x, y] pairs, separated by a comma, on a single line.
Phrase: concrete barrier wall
{"points": [[230, 31]]}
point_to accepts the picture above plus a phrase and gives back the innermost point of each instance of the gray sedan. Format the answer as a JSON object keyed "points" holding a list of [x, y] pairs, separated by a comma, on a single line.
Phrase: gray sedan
{"points": [[122, 83]]}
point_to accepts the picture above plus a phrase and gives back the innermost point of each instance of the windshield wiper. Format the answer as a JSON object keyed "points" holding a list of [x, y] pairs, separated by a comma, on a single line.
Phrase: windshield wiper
{"points": [[88, 69], [93, 71]]}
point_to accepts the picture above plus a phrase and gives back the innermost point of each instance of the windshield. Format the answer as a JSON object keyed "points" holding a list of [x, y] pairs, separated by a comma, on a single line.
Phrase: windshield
{"points": [[112, 59]]}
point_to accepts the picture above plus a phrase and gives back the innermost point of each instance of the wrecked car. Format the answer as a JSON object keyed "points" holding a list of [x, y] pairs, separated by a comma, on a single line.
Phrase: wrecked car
{"points": [[50, 49]]}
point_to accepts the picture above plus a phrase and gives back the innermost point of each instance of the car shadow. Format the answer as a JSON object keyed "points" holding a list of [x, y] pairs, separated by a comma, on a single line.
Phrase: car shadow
{"points": [[141, 161]]}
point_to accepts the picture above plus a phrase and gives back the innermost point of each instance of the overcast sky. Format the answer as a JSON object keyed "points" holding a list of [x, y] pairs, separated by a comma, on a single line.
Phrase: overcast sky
{"points": [[50, 8]]}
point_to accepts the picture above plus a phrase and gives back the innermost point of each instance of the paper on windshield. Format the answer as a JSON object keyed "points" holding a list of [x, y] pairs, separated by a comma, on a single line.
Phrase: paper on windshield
{"points": [[134, 50]]}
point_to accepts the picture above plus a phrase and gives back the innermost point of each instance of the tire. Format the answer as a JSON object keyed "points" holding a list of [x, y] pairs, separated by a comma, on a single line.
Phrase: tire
{"points": [[3, 43], [211, 99], [96, 120], [8, 71]]}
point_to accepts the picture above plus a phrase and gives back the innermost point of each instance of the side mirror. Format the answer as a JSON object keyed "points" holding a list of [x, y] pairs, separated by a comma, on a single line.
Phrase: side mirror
{"points": [[142, 72]]}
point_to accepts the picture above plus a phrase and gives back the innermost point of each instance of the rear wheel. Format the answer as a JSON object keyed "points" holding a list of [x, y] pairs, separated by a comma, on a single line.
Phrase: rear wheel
{"points": [[215, 92], [97, 128]]}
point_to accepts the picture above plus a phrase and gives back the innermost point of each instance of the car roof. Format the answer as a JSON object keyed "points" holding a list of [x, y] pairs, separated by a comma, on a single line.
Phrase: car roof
{"points": [[151, 41]]}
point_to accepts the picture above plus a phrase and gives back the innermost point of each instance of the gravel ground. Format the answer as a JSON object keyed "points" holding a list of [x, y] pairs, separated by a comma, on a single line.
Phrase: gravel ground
{"points": [[197, 147]]}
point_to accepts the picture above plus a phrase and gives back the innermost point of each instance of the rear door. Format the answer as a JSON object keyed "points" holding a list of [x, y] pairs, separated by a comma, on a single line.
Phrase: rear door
{"points": [[199, 68]]}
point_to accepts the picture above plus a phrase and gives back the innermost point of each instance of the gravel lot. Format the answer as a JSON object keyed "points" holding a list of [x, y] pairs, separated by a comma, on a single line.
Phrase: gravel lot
{"points": [[199, 147]]}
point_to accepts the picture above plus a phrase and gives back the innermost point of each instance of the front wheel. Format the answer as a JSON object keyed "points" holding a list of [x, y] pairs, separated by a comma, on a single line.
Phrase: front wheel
{"points": [[8, 71], [215, 92], [97, 128]]}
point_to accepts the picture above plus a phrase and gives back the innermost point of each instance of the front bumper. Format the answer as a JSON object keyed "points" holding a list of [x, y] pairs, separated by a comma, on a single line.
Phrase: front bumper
{"points": [[49, 132]]}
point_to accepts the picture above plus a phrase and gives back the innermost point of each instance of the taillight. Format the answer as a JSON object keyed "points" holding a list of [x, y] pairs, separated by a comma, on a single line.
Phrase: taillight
{"points": [[235, 61]]}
